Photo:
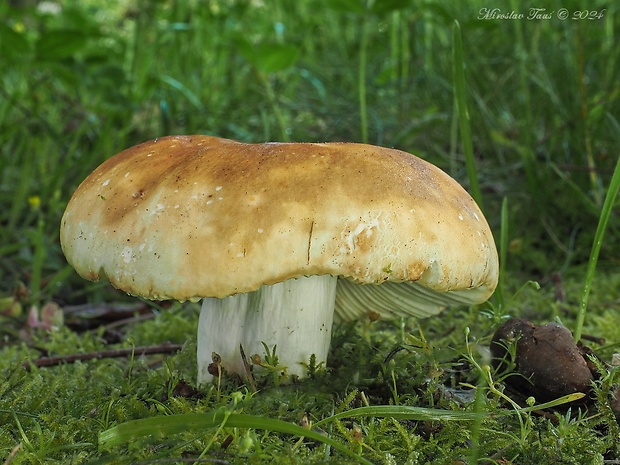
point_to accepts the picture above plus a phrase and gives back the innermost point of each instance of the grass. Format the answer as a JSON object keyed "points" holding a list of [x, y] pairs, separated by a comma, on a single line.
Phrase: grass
{"points": [[531, 129], [612, 193]]}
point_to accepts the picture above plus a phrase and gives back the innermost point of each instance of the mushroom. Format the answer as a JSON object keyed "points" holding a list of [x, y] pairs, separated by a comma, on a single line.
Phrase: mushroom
{"points": [[278, 237]]}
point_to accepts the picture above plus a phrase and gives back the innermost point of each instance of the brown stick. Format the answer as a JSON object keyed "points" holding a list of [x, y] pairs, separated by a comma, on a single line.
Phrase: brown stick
{"points": [[114, 353], [246, 365], [14, 452]]}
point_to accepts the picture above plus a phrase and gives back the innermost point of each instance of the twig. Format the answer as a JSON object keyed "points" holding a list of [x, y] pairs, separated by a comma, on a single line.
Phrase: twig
{"points": [[246, 365], [114, 353], [598, 340], [133, 319], [9, 459]]}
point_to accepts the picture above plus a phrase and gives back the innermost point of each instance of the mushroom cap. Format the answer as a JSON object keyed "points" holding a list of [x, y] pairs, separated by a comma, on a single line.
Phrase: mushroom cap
{"points": [[186, 217]]}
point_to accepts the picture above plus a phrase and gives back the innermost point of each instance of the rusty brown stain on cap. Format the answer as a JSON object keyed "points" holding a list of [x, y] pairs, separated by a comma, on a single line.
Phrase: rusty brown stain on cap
{"points": [[185, 217]]}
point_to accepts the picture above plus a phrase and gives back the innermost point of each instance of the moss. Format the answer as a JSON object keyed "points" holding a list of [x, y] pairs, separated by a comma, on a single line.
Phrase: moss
{"points": [[61, 409]]}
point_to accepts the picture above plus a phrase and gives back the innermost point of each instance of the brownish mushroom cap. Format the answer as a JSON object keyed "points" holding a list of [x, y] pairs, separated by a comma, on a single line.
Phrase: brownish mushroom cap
{"points": [[188, 217]]}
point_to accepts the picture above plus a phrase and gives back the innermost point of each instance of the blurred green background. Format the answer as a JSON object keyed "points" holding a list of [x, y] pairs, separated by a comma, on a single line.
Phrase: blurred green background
{"points": [[80, 81]]}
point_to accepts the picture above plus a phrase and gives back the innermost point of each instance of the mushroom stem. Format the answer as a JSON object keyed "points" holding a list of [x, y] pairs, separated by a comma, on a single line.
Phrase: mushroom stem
{"points": [[295, 315]]}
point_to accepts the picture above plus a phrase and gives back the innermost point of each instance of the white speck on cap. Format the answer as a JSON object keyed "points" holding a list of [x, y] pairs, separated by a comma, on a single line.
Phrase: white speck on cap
{"points": [[126, 254]]}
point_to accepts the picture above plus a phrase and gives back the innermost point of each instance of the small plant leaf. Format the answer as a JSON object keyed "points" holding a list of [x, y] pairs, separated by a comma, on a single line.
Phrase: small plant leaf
{"points": [[269, 57], [12, 43], [59, 44]]}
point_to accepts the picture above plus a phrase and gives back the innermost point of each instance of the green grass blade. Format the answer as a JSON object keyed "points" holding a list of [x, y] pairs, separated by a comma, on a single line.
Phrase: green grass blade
{"points": [[503, 255], [191, 422], [402, 412], [179, 86], [526, 154], [361, 83], [461, 105], [610, 198], [476, 426]]}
